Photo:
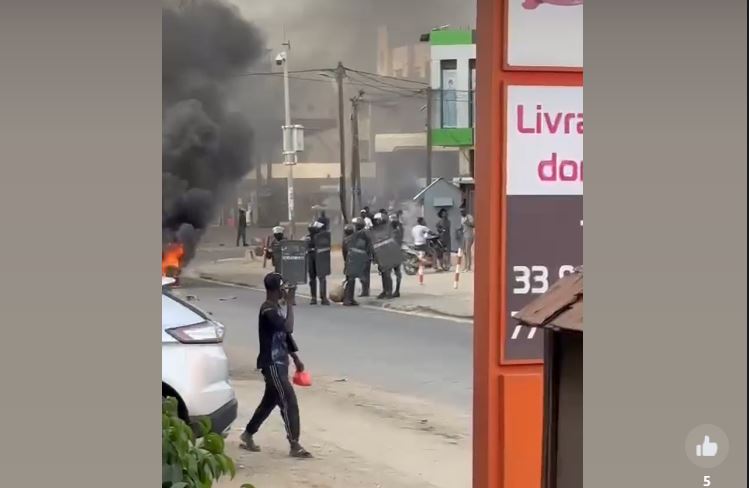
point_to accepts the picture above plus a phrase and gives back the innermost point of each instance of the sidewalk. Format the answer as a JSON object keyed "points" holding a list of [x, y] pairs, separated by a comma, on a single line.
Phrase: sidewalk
{"points": [[437, 296]]}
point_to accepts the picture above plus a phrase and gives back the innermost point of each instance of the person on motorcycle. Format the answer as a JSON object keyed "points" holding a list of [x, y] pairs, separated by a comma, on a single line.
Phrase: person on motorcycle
{"points": [[396, 229], [420, 232], [380, 222]]}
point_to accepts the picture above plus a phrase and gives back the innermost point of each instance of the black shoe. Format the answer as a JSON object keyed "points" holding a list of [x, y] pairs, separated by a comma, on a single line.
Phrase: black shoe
{"points": [[325, 302], [247, 442], [350, 304], [313, 302], [397, 294], [298, 451], [382, 296]]}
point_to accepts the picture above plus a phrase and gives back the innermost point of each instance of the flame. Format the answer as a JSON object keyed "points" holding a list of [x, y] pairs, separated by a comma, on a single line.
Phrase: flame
{"points": [[171, 259]]}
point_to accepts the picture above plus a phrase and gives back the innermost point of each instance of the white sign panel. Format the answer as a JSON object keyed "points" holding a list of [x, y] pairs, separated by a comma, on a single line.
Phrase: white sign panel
{"points": [[545, 33], [544, 140]]}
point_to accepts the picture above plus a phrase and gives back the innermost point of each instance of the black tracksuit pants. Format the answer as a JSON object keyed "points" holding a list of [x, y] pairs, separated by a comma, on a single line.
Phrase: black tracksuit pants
{"points": [[278, 393]]}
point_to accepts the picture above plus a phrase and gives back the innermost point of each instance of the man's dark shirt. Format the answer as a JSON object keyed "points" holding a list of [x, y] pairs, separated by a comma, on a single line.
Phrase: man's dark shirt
{"points": [[397, 233], [275, 342]]}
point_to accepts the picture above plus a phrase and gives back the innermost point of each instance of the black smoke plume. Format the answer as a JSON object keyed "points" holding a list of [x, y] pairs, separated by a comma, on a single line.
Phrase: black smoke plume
{"points": [[206, 148]]}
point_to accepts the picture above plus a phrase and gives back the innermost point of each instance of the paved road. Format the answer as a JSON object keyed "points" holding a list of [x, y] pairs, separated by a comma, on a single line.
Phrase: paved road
{"points": [[427, 358]]}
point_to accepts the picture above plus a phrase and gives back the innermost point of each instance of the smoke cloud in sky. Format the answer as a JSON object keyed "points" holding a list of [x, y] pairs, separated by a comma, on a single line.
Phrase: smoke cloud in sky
{"points": [[206, 148]]}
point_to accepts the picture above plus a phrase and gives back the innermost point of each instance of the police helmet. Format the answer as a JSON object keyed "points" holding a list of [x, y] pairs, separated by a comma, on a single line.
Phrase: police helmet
{"points": [[348, 229]]}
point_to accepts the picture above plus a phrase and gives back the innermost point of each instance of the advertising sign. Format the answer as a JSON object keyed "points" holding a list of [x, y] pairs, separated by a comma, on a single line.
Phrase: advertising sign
{"points": [[545, 34], [544, 201]]}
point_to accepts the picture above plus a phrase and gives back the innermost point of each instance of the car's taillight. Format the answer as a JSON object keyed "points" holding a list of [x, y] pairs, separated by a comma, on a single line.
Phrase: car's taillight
{"points": [[207, 332]]}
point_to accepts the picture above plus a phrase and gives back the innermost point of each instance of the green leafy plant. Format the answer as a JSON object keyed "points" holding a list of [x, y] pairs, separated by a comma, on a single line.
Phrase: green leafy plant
{"points": [[187, 462]]}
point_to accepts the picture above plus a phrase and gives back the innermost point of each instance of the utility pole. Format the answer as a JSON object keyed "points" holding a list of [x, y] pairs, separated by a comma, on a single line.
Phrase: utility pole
{"points": [[289, 156], [429, 137], [355, 156], [340, 72]]}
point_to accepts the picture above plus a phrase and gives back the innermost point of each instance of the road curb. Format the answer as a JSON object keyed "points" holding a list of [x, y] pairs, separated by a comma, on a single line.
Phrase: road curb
{"points": [[388, 306]]}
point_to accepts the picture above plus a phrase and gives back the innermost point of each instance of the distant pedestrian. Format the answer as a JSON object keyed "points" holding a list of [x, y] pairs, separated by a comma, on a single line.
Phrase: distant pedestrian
{"points": [[443, 230], [467, 236], [241, 226], [276, 346]]}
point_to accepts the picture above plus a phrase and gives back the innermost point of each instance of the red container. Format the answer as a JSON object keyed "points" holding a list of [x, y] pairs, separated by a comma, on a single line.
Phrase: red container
{"points": [[302, 378]]}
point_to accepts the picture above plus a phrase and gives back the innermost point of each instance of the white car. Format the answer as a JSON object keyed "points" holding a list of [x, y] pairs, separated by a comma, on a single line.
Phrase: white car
{"points": [[194, 366]]}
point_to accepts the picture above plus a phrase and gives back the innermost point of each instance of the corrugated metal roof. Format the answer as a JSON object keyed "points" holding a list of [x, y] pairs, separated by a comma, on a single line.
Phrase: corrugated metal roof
{"points": [[560, 307]]}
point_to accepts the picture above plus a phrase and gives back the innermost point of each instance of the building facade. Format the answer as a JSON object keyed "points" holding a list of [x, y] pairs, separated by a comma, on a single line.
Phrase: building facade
{"points": [[453, 88]]}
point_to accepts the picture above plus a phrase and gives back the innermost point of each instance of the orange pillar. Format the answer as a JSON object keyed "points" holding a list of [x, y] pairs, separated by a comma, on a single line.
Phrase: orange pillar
{"points": [[508, 393]]}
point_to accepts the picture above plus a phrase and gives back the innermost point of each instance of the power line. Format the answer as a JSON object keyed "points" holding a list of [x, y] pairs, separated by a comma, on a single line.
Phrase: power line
{"points": [[361, 72], [275, 73], [377, 80]]}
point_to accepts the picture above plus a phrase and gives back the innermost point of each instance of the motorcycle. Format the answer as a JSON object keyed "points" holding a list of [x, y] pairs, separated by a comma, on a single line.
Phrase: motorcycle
{"points": [[435, 248]]}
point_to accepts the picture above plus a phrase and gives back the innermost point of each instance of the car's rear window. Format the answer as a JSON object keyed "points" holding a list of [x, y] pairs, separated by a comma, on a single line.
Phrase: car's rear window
{"points": [[175, 314]]}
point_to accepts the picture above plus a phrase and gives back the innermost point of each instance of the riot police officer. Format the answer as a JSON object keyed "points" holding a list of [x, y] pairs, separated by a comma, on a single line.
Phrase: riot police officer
{"points": [[273, 252], [361, 228], [315, 275], [348, 291], [359, 259], [396, 230], [379, 222]]}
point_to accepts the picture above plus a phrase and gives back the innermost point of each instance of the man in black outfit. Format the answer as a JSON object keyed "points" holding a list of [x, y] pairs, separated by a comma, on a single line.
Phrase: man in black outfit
{"points": [[366, 275], [396, 229], [312, 270], [242, 226], [276, 346]]}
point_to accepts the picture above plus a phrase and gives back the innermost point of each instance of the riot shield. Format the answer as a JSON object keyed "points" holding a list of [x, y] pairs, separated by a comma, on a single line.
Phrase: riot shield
{"points": [[387, 251], [321, 240], [294, 262], [358, 256]]}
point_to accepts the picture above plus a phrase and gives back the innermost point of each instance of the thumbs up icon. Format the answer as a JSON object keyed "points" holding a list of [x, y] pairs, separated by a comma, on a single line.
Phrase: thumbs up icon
{"points": [[707, 448]]}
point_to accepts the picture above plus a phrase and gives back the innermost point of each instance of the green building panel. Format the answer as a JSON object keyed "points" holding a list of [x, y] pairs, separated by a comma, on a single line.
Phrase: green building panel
{"points": [[452, 137]]}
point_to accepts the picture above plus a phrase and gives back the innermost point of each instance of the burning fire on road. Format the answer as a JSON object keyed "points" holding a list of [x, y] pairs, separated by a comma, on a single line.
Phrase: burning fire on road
{"points": [[171, 260]]}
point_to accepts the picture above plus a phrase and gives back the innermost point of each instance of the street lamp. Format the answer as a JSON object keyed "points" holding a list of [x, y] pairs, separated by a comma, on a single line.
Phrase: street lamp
{"points": [[293, 135]]}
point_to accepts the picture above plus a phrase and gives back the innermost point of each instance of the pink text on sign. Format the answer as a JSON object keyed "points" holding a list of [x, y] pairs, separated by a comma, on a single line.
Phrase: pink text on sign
{"points": [[565, 170]]}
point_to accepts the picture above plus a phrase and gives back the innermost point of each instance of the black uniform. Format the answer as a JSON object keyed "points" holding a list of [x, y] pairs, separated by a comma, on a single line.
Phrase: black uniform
{"points": [[397, 233], [313, 275], [348, 291], [385, 276], [274, 252], [275, 346], [366, 274], [242, 227], [356, 246]]}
